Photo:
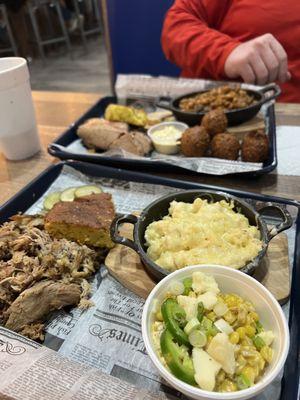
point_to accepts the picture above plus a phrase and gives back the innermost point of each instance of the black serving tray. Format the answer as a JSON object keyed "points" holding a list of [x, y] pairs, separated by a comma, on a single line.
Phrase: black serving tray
{"points": [[35, 189], [70, 135]]}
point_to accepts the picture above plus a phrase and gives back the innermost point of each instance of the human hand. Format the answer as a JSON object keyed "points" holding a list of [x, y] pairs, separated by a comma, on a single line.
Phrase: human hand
{"points": [[258, 61]]}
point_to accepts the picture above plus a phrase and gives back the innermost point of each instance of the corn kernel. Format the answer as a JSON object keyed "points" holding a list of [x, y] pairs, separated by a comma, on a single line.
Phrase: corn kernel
{"points": [[158, 326], [159, 316], [250, 331], [209, 339], [234, 337], [229, 317], [254, 316], [239, 369], [245, 346], [256, 370], [249, 321], [241, 363], [267, 353], [254, 361], [220, 377], [250, 306], [231, 300], [247, 342], [249, 354], [242, 315], [242, 332], [261, 363], [212, 316], [249, 372], [241, 360], [227, 386]]}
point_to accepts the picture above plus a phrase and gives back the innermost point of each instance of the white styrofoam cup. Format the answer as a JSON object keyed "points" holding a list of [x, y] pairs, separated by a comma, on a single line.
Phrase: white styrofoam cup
{"points": [[18, 130]]}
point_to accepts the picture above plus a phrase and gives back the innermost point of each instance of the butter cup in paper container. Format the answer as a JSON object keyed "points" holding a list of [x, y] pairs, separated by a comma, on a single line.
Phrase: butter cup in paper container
{"points": [[166, 136], [229, 281]]}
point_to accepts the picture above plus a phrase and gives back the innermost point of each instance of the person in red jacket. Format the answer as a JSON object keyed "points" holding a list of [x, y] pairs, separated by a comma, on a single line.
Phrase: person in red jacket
{"points": [[254, 41]]}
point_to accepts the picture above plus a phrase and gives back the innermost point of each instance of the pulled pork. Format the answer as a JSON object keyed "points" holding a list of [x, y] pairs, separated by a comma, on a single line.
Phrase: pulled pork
{"points": [[39, 274]]}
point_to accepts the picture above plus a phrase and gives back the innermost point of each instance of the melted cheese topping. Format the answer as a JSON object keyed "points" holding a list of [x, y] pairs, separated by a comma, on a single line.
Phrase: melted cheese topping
{"points": [[202, 233]]}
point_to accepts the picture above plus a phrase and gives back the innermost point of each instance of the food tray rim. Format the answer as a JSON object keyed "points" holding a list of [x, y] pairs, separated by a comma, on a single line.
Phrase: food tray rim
{"points": [[27, 196], [69, 136]]}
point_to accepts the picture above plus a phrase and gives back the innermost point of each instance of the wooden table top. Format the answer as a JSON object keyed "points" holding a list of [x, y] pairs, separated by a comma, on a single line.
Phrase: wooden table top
{"points": [[55, 111]]}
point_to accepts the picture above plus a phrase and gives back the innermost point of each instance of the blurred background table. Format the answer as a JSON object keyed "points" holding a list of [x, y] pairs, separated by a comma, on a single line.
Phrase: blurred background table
{"points": [[55, 111]]}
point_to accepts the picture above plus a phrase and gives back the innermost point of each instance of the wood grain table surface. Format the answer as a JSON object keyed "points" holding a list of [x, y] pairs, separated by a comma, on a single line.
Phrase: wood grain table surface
{"points": [[55, 111]]}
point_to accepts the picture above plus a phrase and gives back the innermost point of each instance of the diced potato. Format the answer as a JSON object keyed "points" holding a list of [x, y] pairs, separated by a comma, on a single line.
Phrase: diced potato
{"points": [[204, 283], [208, 299], [222, 351], [267, 353], [190, 305], [206, 369], [223, 326], [267, 337]]}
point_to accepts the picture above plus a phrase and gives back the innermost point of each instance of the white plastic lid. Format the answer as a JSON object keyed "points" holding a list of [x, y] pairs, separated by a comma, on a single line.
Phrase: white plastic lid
{"points": [[13, 72]]}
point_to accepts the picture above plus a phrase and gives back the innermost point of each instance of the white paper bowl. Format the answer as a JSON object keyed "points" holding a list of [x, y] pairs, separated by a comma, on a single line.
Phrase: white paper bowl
{"points": [[229, 281], [164, 148]]}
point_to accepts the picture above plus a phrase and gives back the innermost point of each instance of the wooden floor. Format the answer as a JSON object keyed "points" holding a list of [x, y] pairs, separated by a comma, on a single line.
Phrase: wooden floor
{"points": [[86, 72]]}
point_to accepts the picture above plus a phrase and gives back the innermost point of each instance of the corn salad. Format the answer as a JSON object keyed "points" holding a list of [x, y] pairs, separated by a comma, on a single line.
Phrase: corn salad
{"points": [[211, 339]]}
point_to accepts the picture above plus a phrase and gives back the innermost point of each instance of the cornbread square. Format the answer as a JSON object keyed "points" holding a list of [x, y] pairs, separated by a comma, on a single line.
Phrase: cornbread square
{"points": [[85, 220]]}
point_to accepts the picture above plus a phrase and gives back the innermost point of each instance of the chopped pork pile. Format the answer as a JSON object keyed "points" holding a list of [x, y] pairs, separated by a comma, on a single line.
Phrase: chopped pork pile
{"points": [[39, 274]]}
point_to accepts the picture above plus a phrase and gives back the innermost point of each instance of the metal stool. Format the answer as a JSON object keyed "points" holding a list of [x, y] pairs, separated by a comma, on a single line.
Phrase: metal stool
{"points": [[32, 8], [86, 32], [13, 47]]}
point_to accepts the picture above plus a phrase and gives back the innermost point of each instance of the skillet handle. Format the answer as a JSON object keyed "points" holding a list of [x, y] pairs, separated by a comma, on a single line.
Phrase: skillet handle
{"points": [[165, 103], [286, 222], [116, 238], [272, 87]]}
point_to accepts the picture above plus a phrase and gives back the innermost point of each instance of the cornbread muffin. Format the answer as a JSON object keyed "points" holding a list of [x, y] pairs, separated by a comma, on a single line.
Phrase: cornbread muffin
{"points": [[85, 220], [195, 142], [255, 147], [215, 121], [226, 146], [130, 115]]}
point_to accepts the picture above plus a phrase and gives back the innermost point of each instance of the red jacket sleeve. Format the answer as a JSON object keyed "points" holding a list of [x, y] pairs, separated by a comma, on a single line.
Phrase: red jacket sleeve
{"points": [[191, 40]]}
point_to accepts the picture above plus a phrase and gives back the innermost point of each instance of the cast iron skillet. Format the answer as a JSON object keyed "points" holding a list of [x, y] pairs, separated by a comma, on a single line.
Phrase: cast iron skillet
{"points": [[235, 117], [159, 208]]}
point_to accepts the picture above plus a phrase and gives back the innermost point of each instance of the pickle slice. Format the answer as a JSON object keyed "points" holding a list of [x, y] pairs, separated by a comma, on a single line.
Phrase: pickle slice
{"points": [[68, 194], [50, 200], [87, 190]]}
